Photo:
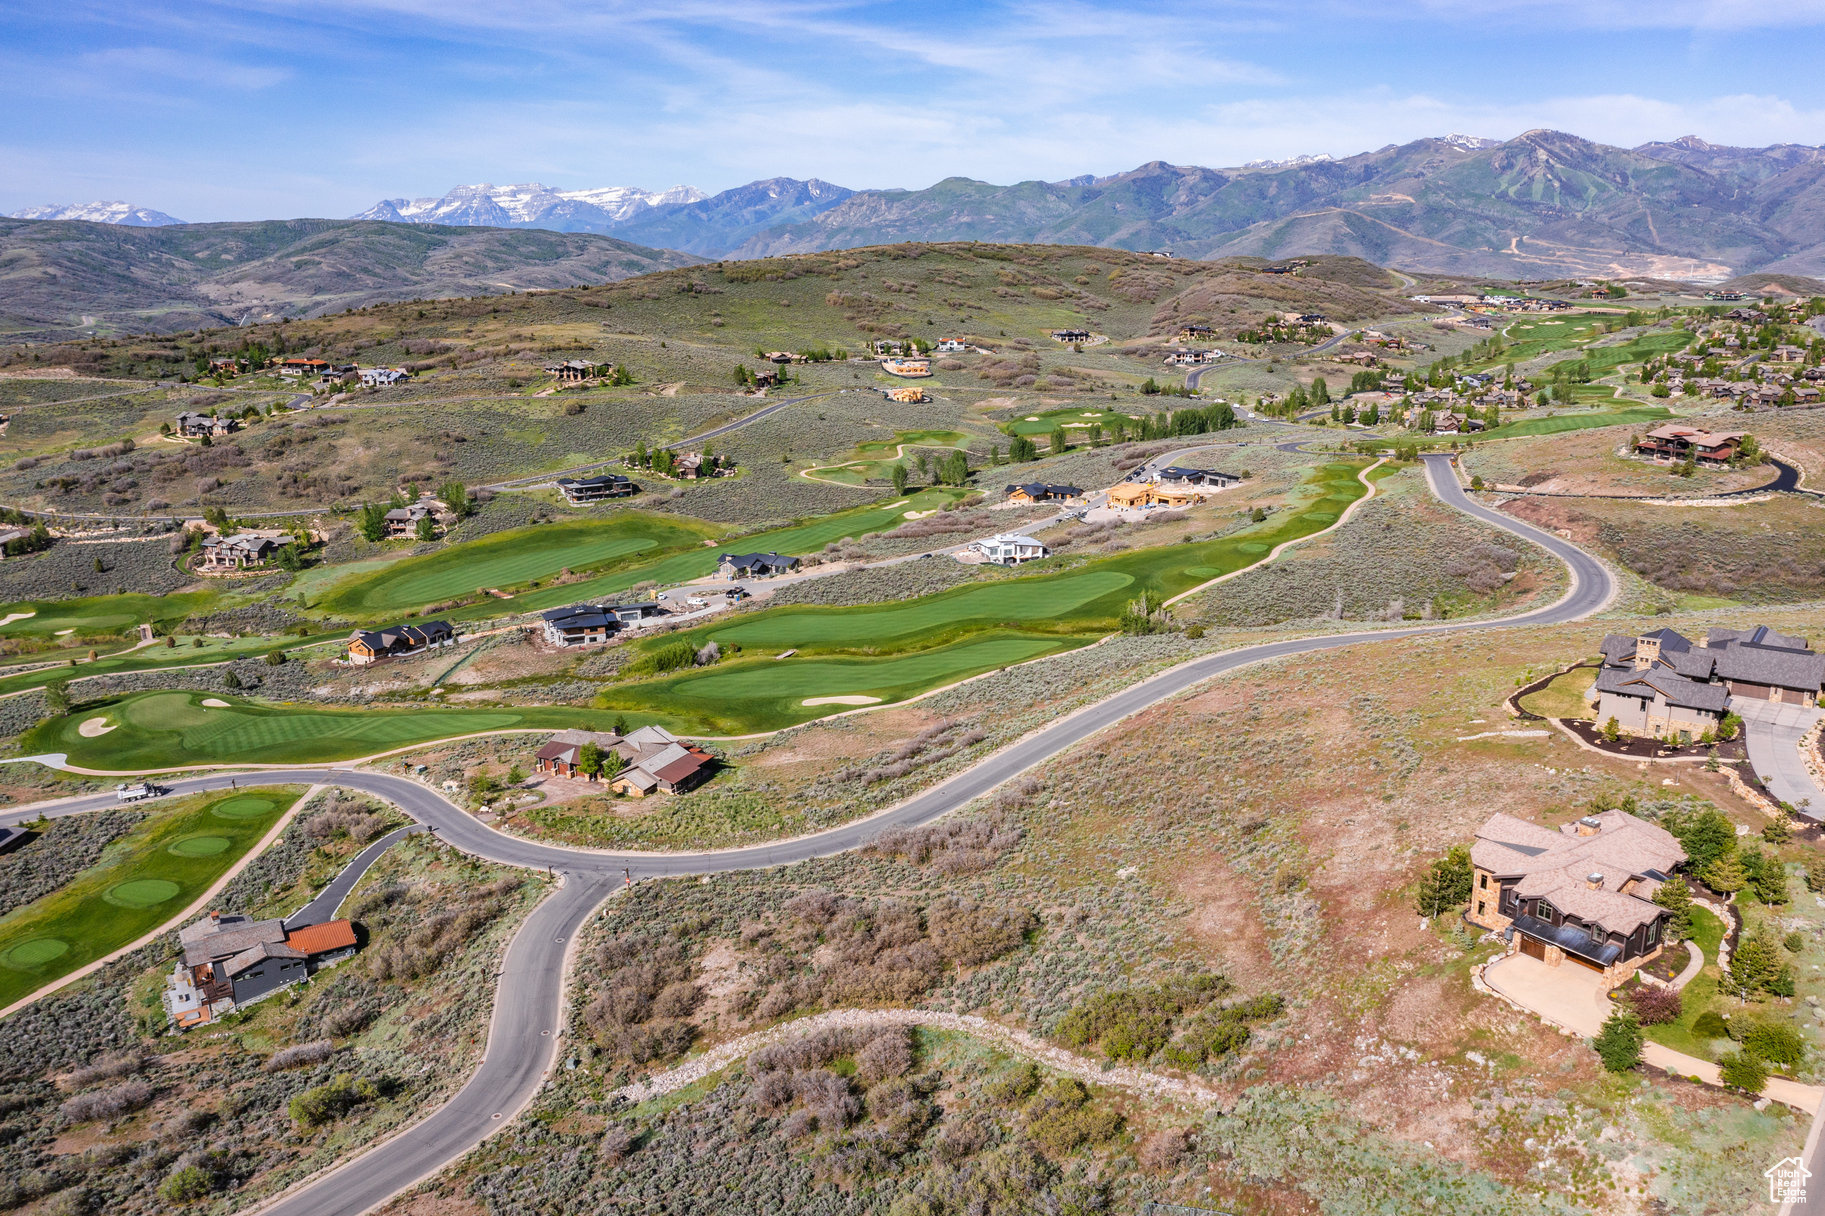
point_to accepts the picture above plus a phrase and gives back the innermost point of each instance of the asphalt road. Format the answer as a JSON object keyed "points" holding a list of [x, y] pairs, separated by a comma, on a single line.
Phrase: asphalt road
{"points": [[529, 1000], [323, 907]]}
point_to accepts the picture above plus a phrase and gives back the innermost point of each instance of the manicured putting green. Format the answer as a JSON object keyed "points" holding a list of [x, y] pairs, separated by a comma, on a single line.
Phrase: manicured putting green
{"points": [[200, 846], [243, 808], [147, 877], [144, 892], [35, 953]]}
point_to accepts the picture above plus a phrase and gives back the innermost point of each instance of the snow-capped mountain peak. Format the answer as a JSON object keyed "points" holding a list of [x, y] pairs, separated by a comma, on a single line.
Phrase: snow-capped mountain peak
{"points": [[1470, 143], [115, 212], [1292, 162], [530, 204]]}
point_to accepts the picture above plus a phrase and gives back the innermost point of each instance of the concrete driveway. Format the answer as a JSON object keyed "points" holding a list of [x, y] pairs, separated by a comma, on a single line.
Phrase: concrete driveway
{"points": [[1576, 999], [1773, 732]]}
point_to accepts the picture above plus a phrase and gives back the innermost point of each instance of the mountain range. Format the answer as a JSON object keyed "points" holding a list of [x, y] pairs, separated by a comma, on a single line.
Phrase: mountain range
{"points": [[1544, 205], [101, 213], [61, 277]]}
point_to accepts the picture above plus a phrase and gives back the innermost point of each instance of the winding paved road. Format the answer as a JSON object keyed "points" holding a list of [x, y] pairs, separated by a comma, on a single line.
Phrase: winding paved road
{"points": [[529, 1001]]}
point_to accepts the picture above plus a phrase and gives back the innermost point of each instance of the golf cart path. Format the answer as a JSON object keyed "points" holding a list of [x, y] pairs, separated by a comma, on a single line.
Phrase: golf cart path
{"points": [[529, 1009]]}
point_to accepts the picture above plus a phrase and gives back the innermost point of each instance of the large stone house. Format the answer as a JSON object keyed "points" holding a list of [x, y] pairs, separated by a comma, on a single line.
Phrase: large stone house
{"points": [[242, 551], [1665, 685], [652, 760], [1042, 491], [1009, 549], [589, 624], [1583, 892]]}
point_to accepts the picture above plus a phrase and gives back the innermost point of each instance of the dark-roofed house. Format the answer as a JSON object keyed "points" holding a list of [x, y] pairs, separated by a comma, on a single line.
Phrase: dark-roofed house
{"points": [[1657, 701], [588, 624], [1766, 666], [1042, 491], [1757, 663], [242, 551], [572, 371], [372, 645], [231, 960], [1676, 441], [1583, 892], [1176, 476], [649, 759], [755, 565], [189, 423], [403, 521], [595, 489]]}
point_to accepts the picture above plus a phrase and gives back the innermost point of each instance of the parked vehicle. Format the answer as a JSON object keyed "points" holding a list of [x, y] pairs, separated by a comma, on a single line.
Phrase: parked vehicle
{"points": [[138, 791]]}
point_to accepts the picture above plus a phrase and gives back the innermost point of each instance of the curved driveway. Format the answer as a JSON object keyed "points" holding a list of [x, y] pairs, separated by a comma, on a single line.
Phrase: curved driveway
{"points": [[529, 1002]]}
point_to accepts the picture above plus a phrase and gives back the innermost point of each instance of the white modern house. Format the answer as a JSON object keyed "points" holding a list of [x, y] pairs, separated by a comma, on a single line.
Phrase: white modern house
{"points": [[1010, 549]]}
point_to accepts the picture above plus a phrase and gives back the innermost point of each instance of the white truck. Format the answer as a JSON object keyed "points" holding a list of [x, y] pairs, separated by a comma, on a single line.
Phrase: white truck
{"points": [[138, 791]]}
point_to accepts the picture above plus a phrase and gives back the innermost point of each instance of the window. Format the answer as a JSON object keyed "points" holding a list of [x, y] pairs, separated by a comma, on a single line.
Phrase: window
{"points": [[1596, 934], [1479, 907], [1653, 932], [1482, 880]]}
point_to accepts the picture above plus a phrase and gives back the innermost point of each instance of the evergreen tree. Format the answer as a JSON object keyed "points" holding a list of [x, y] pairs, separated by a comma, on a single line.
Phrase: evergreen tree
{"points": [[1758, 968], [1446, 884], [956, 470], [1726, 874], [425, 529], [1676, 898], [1767, 876], [1705, 837], [1021, 450], [372, 522], [1743, 1070], [1618, 1044]]}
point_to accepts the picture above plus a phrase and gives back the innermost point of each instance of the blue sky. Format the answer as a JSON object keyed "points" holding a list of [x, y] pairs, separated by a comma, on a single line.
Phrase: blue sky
{"points": [[260, 110]]}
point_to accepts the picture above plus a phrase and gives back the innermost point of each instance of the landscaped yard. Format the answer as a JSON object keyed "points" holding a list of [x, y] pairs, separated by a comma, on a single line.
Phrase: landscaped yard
{"points": [[1700, 996], [1564, 697], [159, 730], [143, 880]]}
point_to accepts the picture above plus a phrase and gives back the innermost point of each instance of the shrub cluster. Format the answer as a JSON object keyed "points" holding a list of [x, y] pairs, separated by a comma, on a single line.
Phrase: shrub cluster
{"points": [[1177, 1020], [951, 846], [65, 848], [647, 996]]}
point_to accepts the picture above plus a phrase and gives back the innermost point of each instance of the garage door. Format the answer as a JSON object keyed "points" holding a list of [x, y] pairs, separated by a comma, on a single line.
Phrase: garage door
{"points": [[1534, 947]]}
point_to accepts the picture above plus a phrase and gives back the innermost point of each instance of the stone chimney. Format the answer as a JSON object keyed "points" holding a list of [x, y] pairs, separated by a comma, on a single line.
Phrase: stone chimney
{"points": [[1594, 882], [1590, 825], [1647, 652]]}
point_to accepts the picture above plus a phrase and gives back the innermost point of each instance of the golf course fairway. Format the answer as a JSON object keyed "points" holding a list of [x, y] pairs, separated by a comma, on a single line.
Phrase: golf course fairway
{"points": [[768, 694], [161, 730], [899, 649], [507, 559], [143, 880]]}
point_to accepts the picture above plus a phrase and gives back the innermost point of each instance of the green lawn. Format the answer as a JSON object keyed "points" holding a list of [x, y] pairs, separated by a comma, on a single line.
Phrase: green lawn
{"points": [[700, 560], [1634, 415], [1074, 420], [1698, 996], [897, 649], [769, 693], [142, 880], [101, 615], [509, 559], [172, 729], [149, 658], [1564, 697]]}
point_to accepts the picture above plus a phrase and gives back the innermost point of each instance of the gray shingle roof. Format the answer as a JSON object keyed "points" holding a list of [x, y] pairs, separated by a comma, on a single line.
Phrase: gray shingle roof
{"points": [[1677, 689]]}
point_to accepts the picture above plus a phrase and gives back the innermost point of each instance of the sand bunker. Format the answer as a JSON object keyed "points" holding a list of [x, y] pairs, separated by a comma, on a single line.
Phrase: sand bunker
{"points": [[94, 727], [214, 703], [64, 632], [919, 514], [852, 699], [1032, 417], [10, 617]]}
